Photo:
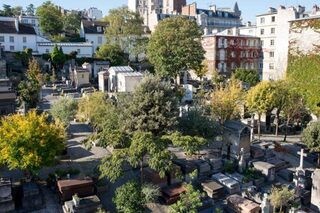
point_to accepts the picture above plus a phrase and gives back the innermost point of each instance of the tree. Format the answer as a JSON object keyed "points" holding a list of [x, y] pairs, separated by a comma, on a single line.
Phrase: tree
{"points": [[250, 77], [196, 123], [17, 11], [311, 137], [50, 18], [225, 101], [29, 89], [280, 197], [30, 10], [30, 142], [132, 197], [153, 107], [260, 100], [112, 53], [64, 110], [202, 70], [189, 201], [57, 57], [7, 10], [124, 27], [72, 22], [175, 46]]}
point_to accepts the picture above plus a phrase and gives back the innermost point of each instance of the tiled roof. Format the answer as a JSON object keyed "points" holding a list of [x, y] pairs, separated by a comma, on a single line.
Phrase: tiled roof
{"points": [[218, 14], [8, 27], [91, 27]]}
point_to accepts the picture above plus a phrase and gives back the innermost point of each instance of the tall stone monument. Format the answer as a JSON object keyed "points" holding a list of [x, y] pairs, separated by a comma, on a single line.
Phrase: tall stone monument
{"points": [[265, 205], [242, 162], [300, 175], [315, 191]]}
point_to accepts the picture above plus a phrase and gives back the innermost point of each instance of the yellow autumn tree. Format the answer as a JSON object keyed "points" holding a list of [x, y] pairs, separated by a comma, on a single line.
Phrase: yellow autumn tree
{"points": [[226, 100], [30, 142]]}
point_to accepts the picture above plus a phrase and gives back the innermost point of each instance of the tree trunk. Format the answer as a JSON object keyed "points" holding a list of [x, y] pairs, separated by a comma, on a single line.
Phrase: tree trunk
{"points": [[277, 122], [286, 132], [259, 126]]}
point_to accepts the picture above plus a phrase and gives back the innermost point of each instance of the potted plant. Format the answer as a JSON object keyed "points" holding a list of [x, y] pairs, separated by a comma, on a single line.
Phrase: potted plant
{"points": [[76, 200]]}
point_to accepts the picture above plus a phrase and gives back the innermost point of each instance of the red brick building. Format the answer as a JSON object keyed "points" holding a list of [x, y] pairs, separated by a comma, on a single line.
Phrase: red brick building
{"points": [[228, 50]]}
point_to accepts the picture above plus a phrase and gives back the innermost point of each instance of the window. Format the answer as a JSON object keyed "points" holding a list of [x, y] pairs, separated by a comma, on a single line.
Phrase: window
{"points": [[261, 65], [99, 40], [24, 39], [273, 18], [11, 39], [47, 51], [271, 66], [99, 29], [271, 54], [273, 30], [1, 38], [272, 42], [11, 48], [262, 32], [78, 50], [262, 20], [233, 54], [33, 22]]}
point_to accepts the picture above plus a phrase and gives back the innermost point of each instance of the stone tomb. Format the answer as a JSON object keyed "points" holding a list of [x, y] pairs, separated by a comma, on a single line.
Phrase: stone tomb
{"points": [[68, 188], [285, 174], [187, 167], [315, 191], [231, 185], [238, 204], [153, 177], [213, 189], [266, 168], [172, 193], [86, 205], [32, 197], [6, 201], [203, 167]]}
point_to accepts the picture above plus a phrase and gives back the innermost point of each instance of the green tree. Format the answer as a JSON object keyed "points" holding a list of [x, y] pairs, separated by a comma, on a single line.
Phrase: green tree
{"points": [[17, 11], [250, 77], [64, 110], [112, 53], [72, 22], [189, 201], [260, 100], [30, 142], [280, 197], [124, 28], [153, 107], [29, 89], [311, 137], [226, 100], [7, 10], [202, 70], [50, 18], [132, 197], [175, 46], [30, 10], [58, 58]]}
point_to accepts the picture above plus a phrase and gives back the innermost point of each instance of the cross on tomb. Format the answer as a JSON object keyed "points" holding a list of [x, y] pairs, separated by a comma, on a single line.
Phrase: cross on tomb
{"points": [[302, 154]]}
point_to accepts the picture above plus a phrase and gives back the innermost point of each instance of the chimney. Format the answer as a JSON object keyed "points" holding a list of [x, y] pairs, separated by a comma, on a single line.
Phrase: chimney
{"points": [[16, 24], [248, 24], [213, 7]]}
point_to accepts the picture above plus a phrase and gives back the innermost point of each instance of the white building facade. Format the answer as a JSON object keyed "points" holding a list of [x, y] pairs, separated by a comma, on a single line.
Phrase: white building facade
{"points": [[94, 13], [93, 32]]}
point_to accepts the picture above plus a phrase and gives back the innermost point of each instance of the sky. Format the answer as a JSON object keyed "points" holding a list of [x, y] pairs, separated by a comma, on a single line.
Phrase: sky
{"points": [[249, 8]]}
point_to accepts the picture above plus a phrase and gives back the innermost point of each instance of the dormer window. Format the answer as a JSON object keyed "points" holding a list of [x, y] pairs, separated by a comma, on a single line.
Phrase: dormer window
{"points": [[99, 29]]}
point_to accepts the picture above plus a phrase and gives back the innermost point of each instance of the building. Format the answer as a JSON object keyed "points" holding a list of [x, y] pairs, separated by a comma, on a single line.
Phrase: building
{"points": [[122, 79], [16, 36], [93, 32], [79, 77], [83, 49], [273, 29], [228, 50], [94, 13], [214, 19], [150, 10]]}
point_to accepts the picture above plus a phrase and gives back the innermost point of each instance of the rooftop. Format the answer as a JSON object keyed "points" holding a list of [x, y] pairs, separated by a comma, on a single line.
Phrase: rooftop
{"points": [[9, 27], [65, 44], [122, 69], [94, 27]]}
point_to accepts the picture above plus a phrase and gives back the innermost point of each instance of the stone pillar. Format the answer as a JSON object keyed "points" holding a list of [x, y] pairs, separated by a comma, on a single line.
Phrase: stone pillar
{"points": [[315, 191]]}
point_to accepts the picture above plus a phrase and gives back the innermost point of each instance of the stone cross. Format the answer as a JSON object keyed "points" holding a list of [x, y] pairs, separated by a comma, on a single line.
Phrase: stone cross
{"points": [[301, 153]]}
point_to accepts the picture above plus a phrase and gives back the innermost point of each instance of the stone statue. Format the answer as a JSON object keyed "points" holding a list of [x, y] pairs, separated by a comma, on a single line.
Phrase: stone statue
{"points": [[265, 205], [242, 162]]}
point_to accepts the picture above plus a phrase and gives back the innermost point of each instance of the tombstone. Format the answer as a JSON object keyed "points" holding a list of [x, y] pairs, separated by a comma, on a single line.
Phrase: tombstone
{"points": [[315, 191], [213, 189], [266, 168], [238, 204], [232, 186], [236, 136], [86, 204], [286, 174], [6, 201], [265, 205], [203, 167], [68, 188], [187, 167], [32, 198], [300, 174], [242, 163]]}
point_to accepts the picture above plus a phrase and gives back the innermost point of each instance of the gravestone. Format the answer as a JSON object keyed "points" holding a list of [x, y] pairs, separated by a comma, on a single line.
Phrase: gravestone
{"points": [[231, 185], [315, 191], [300, 174], [213, 189], [6, 201], [86, 204], [266, 168], [242, 162]]}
